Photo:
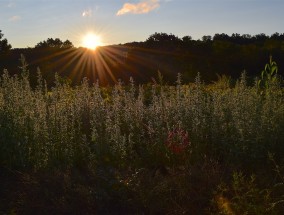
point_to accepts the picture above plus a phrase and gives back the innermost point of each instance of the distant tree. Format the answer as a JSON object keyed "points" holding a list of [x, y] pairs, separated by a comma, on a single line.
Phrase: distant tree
{"points": [[163, 37], [4, 45], [221, 37], [260, 38], [277, 36], [67, 44], [246, 36], [187, 39], [241, 39], [54, 43], [206, 39]]}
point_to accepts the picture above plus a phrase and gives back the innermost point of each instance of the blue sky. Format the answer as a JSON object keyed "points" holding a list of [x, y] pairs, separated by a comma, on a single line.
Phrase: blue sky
{"points": [[27, 22]]}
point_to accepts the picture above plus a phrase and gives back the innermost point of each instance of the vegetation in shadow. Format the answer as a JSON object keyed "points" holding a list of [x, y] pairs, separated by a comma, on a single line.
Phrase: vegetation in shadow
{"points": [[141, 149]]}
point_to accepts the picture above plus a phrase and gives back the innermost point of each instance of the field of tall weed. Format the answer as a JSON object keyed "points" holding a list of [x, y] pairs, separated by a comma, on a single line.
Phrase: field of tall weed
{"points": [[156, 148]]}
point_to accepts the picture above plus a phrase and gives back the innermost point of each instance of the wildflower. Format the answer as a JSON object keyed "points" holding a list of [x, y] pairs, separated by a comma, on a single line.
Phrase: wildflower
{"points": [[177, 140]]}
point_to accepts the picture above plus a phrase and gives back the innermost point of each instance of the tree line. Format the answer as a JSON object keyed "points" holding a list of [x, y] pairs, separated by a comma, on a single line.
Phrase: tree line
{"points": [[160, 52]]}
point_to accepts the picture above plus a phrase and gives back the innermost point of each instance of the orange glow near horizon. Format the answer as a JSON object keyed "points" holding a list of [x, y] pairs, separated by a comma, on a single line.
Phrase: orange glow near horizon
{"points": [[91, 41], [98, 62]]}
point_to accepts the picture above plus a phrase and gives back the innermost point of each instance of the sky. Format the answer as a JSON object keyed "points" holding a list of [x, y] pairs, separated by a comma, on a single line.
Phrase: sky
{"points": [[25, 23]]}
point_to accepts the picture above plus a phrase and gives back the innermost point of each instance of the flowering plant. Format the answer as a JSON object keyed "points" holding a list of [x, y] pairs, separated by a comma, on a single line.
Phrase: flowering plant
{"points": [[177, 141]]}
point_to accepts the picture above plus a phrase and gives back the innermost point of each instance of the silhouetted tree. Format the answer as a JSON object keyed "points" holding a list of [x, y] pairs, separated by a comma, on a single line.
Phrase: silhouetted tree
{"points": [[260, 38], [206, 39], [67, 44], [54, 43], [4, 45], [277, 36], [187, 39], [163, 37], [221, 37]]}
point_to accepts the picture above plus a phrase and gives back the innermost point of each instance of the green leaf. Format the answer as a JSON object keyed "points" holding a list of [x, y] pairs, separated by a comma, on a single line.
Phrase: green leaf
{"points": [[267, 67], [258, 83], [262, 74], [274, 69]]}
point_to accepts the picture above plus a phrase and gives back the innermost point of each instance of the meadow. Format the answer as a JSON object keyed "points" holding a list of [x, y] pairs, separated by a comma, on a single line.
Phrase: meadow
{"points": [[189, 148]]}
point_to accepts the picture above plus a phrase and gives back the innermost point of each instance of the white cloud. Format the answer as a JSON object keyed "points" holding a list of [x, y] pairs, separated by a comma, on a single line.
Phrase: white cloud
{"points": [[14, 18], [145, 6], [87, 13], [11, 4]]}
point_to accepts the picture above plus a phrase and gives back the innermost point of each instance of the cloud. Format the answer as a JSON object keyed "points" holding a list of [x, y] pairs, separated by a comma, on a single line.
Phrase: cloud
{"points": [[145, 6], [87, 13], [11, 4], [14, 18]]}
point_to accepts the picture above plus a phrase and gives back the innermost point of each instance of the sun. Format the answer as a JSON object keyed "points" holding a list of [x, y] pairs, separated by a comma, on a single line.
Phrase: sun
{"points": [[91, 41]]}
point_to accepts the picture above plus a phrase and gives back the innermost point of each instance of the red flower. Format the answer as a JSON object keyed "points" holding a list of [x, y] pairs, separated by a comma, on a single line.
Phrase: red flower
{"points": [[177, 140]]}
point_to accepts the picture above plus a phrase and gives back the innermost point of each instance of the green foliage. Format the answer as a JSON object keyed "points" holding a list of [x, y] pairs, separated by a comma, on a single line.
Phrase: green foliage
{"points": [[268, 75], [136, 148]]}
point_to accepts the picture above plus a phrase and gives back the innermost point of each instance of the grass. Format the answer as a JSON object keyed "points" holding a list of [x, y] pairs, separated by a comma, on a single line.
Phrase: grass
{"points": [[152, 149]]}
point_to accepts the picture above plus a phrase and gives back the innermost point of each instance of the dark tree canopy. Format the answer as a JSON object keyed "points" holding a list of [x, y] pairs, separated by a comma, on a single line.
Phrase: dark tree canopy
{"points": [[206, 38], [163, 37], [187, 39], [54, 43], [4, 45], [221, 37]]}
